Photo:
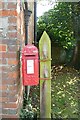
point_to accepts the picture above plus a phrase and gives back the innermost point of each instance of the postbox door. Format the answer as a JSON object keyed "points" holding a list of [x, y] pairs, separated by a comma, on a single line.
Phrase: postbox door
{"points": [[31, 71]]}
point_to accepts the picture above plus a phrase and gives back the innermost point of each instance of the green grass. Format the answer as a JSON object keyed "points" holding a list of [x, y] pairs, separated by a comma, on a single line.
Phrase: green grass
{"points": [[65, 92], [65, 95]]}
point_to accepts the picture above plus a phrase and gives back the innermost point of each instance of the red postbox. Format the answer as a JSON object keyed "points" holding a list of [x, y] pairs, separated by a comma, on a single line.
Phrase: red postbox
{"points": [[30, 65]]}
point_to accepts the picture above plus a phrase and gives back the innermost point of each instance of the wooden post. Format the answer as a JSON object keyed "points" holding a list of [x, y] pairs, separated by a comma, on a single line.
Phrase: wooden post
{"points": [[45, 76]]}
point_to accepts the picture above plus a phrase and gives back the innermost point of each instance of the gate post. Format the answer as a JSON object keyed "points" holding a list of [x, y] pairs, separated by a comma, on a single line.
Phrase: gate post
{"points": [[45, 76]]}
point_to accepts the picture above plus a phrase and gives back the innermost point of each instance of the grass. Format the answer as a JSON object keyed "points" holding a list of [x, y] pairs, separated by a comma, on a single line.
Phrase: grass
{"points": [[64, 94]]}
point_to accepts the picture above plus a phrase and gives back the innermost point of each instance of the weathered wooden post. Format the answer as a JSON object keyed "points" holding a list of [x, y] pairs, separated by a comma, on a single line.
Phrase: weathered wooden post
{"points": [[45, 76]]}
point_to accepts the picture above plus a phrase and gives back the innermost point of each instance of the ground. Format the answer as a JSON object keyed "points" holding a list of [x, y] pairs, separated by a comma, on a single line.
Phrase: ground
{"points": [[64, 94]]}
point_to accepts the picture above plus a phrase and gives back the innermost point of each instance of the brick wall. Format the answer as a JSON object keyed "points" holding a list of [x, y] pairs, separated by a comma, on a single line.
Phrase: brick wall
{"points": [[12, 40], [12, 36]]}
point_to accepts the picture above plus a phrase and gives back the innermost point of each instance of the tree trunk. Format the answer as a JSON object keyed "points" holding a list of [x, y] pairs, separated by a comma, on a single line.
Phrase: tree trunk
{"points": [[76, 57], [76, 26]]}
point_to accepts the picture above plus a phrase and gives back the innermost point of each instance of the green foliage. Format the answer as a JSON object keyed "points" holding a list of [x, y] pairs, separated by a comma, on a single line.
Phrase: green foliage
{"points": [[30, 109], [27, 113], [65, 92], [58, 23]]}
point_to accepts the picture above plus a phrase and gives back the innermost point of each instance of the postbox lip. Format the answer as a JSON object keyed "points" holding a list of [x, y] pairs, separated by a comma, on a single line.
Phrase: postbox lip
{"points": [[29, 54]]}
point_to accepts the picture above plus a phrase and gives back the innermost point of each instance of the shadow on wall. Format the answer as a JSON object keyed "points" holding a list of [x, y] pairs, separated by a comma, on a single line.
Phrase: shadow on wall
{"points": [[58, 54]]}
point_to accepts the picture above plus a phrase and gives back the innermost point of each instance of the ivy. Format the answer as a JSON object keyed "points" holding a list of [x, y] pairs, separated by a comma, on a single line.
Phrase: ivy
{"points": [[58, 23]]}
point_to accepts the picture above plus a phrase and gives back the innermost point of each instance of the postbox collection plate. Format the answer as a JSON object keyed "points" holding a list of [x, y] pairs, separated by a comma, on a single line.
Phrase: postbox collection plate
{"points": [[30, 66]]}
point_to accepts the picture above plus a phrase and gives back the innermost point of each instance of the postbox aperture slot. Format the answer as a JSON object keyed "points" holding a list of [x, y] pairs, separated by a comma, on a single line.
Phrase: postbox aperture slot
{"points": [[29, 55]]}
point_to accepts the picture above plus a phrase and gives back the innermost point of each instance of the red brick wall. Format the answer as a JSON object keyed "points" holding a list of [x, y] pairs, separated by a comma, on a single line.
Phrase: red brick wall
{"points": [[11, 41]]}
